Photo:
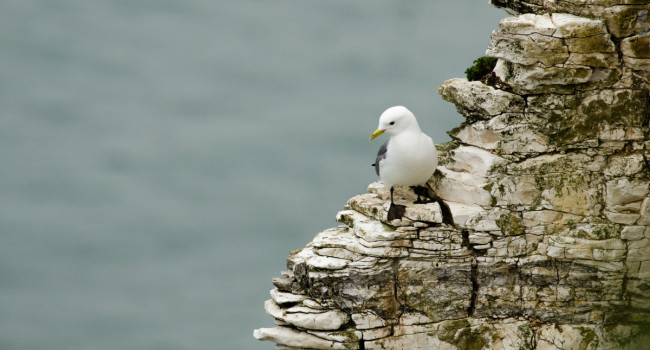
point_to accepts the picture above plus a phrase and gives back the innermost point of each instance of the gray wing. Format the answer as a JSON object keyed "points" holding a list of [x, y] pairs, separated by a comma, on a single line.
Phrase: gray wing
{"points": [[381, 155]]}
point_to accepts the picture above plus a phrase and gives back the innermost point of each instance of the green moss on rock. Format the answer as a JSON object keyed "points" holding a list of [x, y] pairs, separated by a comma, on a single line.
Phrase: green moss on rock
{"points": [[640, 46], [626, 109], [527, 335], [482, 66], [466, 338], [511, 224], [588, 337]]}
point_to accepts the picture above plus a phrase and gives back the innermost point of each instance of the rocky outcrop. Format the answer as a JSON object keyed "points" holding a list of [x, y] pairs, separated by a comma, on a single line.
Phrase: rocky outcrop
{"points": [[548, 184]]}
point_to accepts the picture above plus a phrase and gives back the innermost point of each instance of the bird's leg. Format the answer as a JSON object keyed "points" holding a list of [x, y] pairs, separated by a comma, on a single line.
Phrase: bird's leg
{"points": [[424, 192], [395, 211]]}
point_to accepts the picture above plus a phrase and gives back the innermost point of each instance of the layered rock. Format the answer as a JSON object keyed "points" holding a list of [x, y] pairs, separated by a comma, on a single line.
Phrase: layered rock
{"points": [[548, 185]]}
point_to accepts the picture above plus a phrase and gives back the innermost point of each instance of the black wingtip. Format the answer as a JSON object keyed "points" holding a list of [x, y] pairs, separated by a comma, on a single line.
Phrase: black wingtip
{"points": [[447, 217]]}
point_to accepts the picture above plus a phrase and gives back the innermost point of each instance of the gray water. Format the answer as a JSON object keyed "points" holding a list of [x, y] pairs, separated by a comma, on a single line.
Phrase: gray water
{"points": [[159, 159]]}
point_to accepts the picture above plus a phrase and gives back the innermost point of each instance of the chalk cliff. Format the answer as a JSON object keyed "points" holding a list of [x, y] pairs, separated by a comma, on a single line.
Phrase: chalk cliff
{"points": [[548, 184]]}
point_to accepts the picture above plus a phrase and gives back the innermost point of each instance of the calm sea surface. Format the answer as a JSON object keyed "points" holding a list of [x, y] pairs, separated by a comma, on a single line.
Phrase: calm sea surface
{"points": [[159, 159]]}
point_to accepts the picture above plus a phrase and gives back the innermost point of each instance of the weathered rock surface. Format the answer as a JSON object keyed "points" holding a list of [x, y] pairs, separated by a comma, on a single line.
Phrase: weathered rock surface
{"points": [[548, 184]]}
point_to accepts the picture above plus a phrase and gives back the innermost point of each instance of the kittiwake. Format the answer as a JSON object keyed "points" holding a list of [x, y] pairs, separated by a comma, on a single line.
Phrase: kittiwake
{"points": [[408, 158]]}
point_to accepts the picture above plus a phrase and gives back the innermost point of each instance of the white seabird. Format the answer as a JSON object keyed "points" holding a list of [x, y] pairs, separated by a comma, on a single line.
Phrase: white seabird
{"points": [[408, 158]]}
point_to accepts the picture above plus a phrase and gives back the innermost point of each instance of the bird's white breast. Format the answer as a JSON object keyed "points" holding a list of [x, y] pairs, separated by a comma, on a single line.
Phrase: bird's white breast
{"points": [[411, 159]]}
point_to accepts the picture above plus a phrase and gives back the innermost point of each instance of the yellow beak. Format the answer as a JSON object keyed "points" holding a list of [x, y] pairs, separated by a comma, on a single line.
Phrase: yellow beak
{"points": [[376, 133]]}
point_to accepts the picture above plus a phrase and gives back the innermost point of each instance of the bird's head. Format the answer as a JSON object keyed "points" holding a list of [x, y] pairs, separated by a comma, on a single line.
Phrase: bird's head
{"points": [[395, 120]]}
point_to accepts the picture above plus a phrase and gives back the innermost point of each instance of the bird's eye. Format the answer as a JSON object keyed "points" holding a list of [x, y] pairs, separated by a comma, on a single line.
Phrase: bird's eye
{"points": [[392, 123]]}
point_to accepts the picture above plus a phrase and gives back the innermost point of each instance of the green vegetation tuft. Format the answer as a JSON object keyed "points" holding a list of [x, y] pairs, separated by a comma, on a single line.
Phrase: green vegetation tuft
{"points": [[482, 66]]}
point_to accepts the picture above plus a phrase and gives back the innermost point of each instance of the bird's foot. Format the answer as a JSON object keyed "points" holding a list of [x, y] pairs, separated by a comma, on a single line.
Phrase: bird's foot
{"points": [[422, 201], [396, 211], [422, 191]]}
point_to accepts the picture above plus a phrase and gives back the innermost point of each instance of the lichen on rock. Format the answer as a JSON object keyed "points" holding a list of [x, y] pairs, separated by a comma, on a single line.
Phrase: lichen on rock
{"points": [[548, 184]]}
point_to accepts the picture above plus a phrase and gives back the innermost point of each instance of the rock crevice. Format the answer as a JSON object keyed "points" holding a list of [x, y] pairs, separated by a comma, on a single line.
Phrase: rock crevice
{"points": [[548, 186]]}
